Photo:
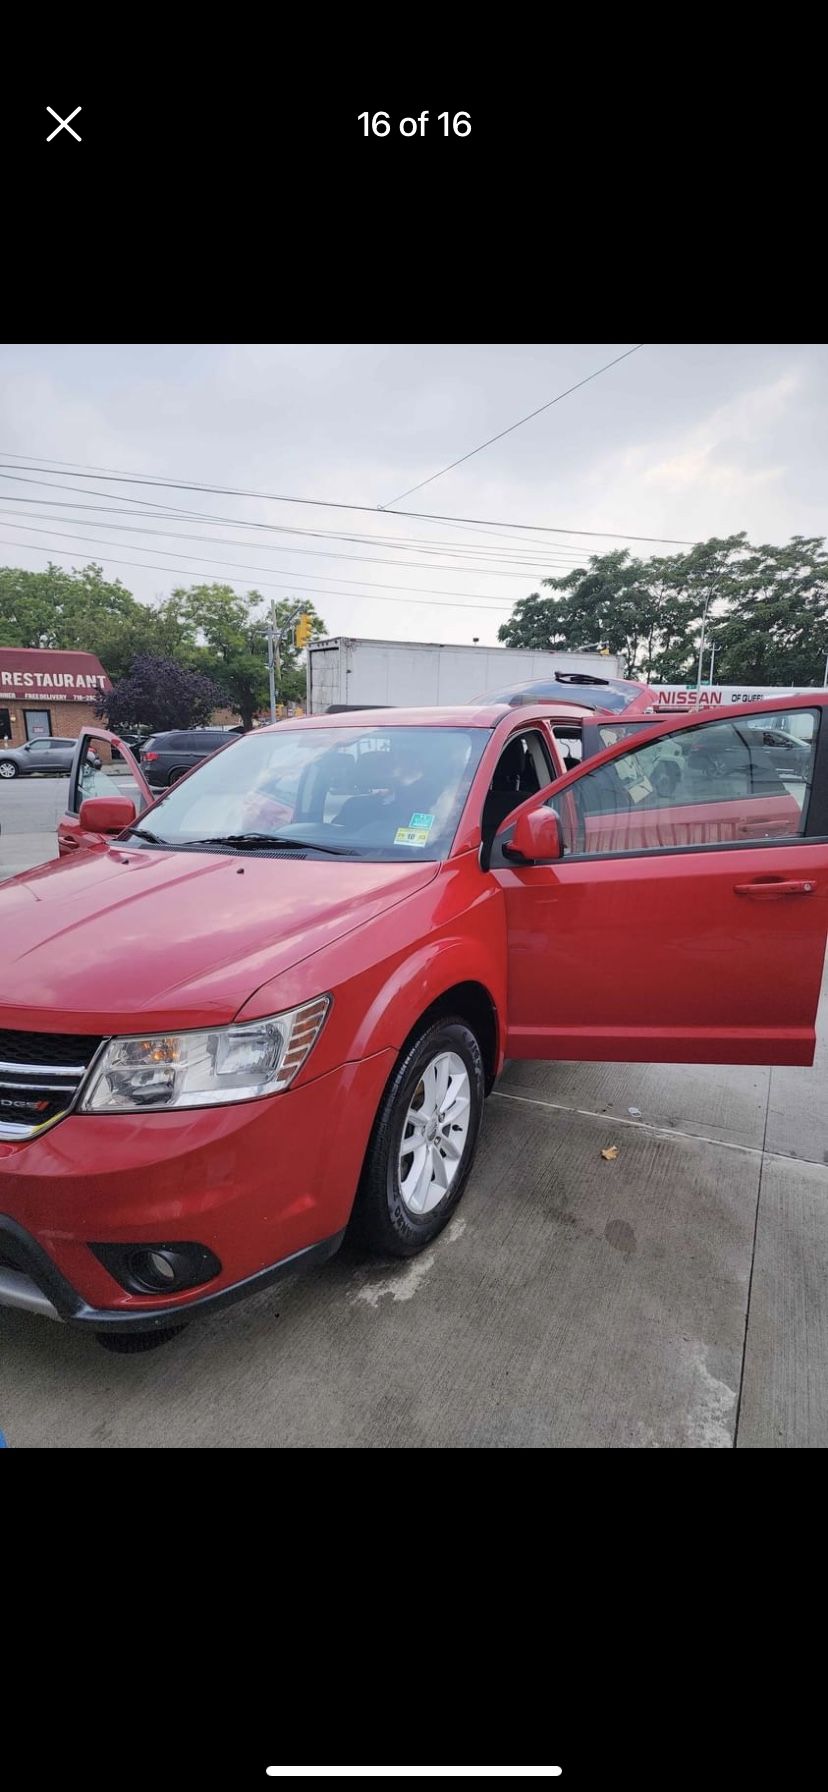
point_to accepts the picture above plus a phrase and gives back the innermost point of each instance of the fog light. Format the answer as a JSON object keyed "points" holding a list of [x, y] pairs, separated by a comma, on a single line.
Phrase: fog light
{"points": [[158, 1268], [163, 1267]]}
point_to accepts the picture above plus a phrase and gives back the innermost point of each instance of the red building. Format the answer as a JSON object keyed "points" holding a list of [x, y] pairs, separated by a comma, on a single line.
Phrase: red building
{"points": [[44, 692]]}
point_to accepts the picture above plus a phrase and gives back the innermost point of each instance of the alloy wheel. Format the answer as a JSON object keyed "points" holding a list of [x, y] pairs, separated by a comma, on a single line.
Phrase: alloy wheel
{"points": [[434, 1133]]}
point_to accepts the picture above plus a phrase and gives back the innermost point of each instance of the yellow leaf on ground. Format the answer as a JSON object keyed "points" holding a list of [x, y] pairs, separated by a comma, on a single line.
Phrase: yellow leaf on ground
{"points": [[610, 1153]]}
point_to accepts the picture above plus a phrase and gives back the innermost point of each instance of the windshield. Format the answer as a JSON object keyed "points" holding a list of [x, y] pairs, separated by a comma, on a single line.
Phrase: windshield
{"points": [[375, 793]]}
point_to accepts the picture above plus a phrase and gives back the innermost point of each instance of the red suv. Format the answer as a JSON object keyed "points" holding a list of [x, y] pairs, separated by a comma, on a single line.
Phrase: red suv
{"points": [[272, 1003]]}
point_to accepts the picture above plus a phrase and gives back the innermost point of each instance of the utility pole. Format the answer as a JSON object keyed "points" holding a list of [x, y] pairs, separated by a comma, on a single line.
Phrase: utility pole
{"points": [[701, 643], [275, 636], [272, 659]]}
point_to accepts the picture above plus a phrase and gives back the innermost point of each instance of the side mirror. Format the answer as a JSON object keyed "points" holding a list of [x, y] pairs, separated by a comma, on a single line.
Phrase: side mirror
{"points": [[537, 837], [106, 814]]}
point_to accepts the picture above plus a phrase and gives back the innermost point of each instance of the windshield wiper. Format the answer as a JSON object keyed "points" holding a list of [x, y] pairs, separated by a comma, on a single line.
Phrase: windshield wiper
{"points": [[155, 839], [267, 840]]}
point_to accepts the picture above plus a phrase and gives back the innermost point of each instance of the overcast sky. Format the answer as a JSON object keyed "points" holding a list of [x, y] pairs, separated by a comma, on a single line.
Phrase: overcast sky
{"points": [[681, 441]]}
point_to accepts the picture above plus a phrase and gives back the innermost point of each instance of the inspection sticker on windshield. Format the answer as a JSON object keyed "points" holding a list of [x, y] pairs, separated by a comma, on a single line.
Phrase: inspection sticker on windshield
{"points": [[411, 837], [417, 832]]}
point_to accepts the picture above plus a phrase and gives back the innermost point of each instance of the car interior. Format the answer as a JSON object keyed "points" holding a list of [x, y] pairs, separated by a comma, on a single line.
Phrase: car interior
{"points": [[368, 789], [523, 769]]}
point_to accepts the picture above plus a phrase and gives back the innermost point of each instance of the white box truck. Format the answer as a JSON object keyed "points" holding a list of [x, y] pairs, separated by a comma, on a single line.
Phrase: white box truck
{"points": [[347, 673]]}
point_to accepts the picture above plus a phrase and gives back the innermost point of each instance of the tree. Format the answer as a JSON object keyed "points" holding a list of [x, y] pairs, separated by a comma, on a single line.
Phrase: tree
{"points": [[775, 629], [56, 608], [159, 629], [603, 601], [535, 622], [233, 630], [159, 694], [766, 609]]}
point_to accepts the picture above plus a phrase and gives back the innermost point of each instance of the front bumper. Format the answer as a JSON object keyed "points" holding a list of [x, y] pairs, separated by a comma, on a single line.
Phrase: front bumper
{"points": [[267, 1186], [31, 1282]]}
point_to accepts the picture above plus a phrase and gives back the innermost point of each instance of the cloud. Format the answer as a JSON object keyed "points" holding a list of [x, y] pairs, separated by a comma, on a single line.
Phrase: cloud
{"points": [[682, 441], [720, 454]]}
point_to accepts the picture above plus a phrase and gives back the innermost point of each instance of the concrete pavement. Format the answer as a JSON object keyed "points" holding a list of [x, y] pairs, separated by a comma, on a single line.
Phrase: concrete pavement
{"points": [[676, 1297]]}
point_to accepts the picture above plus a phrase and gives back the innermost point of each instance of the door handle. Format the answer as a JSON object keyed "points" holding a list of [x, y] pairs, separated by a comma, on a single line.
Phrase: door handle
{"points": [[767, 888]]}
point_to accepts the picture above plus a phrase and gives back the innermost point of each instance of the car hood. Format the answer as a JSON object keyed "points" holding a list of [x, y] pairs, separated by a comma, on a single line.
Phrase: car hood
{"points": [[115, 940]]}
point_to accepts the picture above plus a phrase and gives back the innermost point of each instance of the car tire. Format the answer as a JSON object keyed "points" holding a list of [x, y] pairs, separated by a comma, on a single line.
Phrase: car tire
{"points": [[174, 777], [400, 1206], [8, 769]]}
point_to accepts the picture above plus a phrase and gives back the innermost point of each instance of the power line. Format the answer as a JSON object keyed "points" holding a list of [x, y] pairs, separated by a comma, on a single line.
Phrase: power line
{"points": [[518, 569], [520, 563], [562, 553], [445, 522], [383, 560], [360, 585], [65, 534], [276, 584], [331, 504], [512, 426], [530, 571]]}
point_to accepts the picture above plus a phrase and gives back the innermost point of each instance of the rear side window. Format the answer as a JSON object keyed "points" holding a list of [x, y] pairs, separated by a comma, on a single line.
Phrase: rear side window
{"points": [[720, 783], [204, 740]]}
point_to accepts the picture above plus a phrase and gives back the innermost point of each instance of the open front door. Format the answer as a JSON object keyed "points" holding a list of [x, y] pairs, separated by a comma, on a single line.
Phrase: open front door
{"points": [[686, 918], [102, 766]]}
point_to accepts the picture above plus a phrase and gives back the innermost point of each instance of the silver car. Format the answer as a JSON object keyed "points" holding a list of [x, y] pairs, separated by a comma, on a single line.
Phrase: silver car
{"points": [[49, 755]]}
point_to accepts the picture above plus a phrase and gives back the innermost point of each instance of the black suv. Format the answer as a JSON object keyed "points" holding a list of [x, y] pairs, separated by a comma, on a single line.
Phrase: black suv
{"points": [[166, 757]]}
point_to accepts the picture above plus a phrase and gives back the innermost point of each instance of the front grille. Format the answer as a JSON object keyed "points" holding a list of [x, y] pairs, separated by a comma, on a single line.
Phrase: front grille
{"points": [[40, 1074], [47, 1048]]}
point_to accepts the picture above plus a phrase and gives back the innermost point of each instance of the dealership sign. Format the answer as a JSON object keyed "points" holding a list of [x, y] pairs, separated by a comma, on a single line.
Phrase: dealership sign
{"points": [[716, 696], [31, 673]]}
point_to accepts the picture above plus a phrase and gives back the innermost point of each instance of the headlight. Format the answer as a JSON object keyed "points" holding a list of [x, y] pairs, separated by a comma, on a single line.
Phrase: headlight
{"points": [[199, 1070]]}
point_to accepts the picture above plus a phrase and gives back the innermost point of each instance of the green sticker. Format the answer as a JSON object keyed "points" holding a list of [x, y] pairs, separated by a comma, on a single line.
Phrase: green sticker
{"points": [[422, 821]]}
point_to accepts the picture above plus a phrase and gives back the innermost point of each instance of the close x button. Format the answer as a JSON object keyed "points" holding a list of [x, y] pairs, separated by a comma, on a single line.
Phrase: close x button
{"points": [[63, 124]]}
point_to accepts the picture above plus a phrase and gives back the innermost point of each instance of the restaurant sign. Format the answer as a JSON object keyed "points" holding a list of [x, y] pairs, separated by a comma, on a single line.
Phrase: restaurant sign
{"points": [[28, 673]]}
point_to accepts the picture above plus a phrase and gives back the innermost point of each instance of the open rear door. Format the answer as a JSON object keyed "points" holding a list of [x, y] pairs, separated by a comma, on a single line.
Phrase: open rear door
{"points": [[103, 766]]}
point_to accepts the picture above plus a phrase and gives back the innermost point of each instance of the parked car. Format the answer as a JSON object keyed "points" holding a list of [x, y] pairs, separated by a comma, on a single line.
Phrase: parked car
{"points": [[166, 757], [49, 756], [790, 755], [223, 1043], [134, 741]]}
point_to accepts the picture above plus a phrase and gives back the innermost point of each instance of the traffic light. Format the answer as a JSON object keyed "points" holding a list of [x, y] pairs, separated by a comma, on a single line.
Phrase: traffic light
{"points": [[302, 632]]}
